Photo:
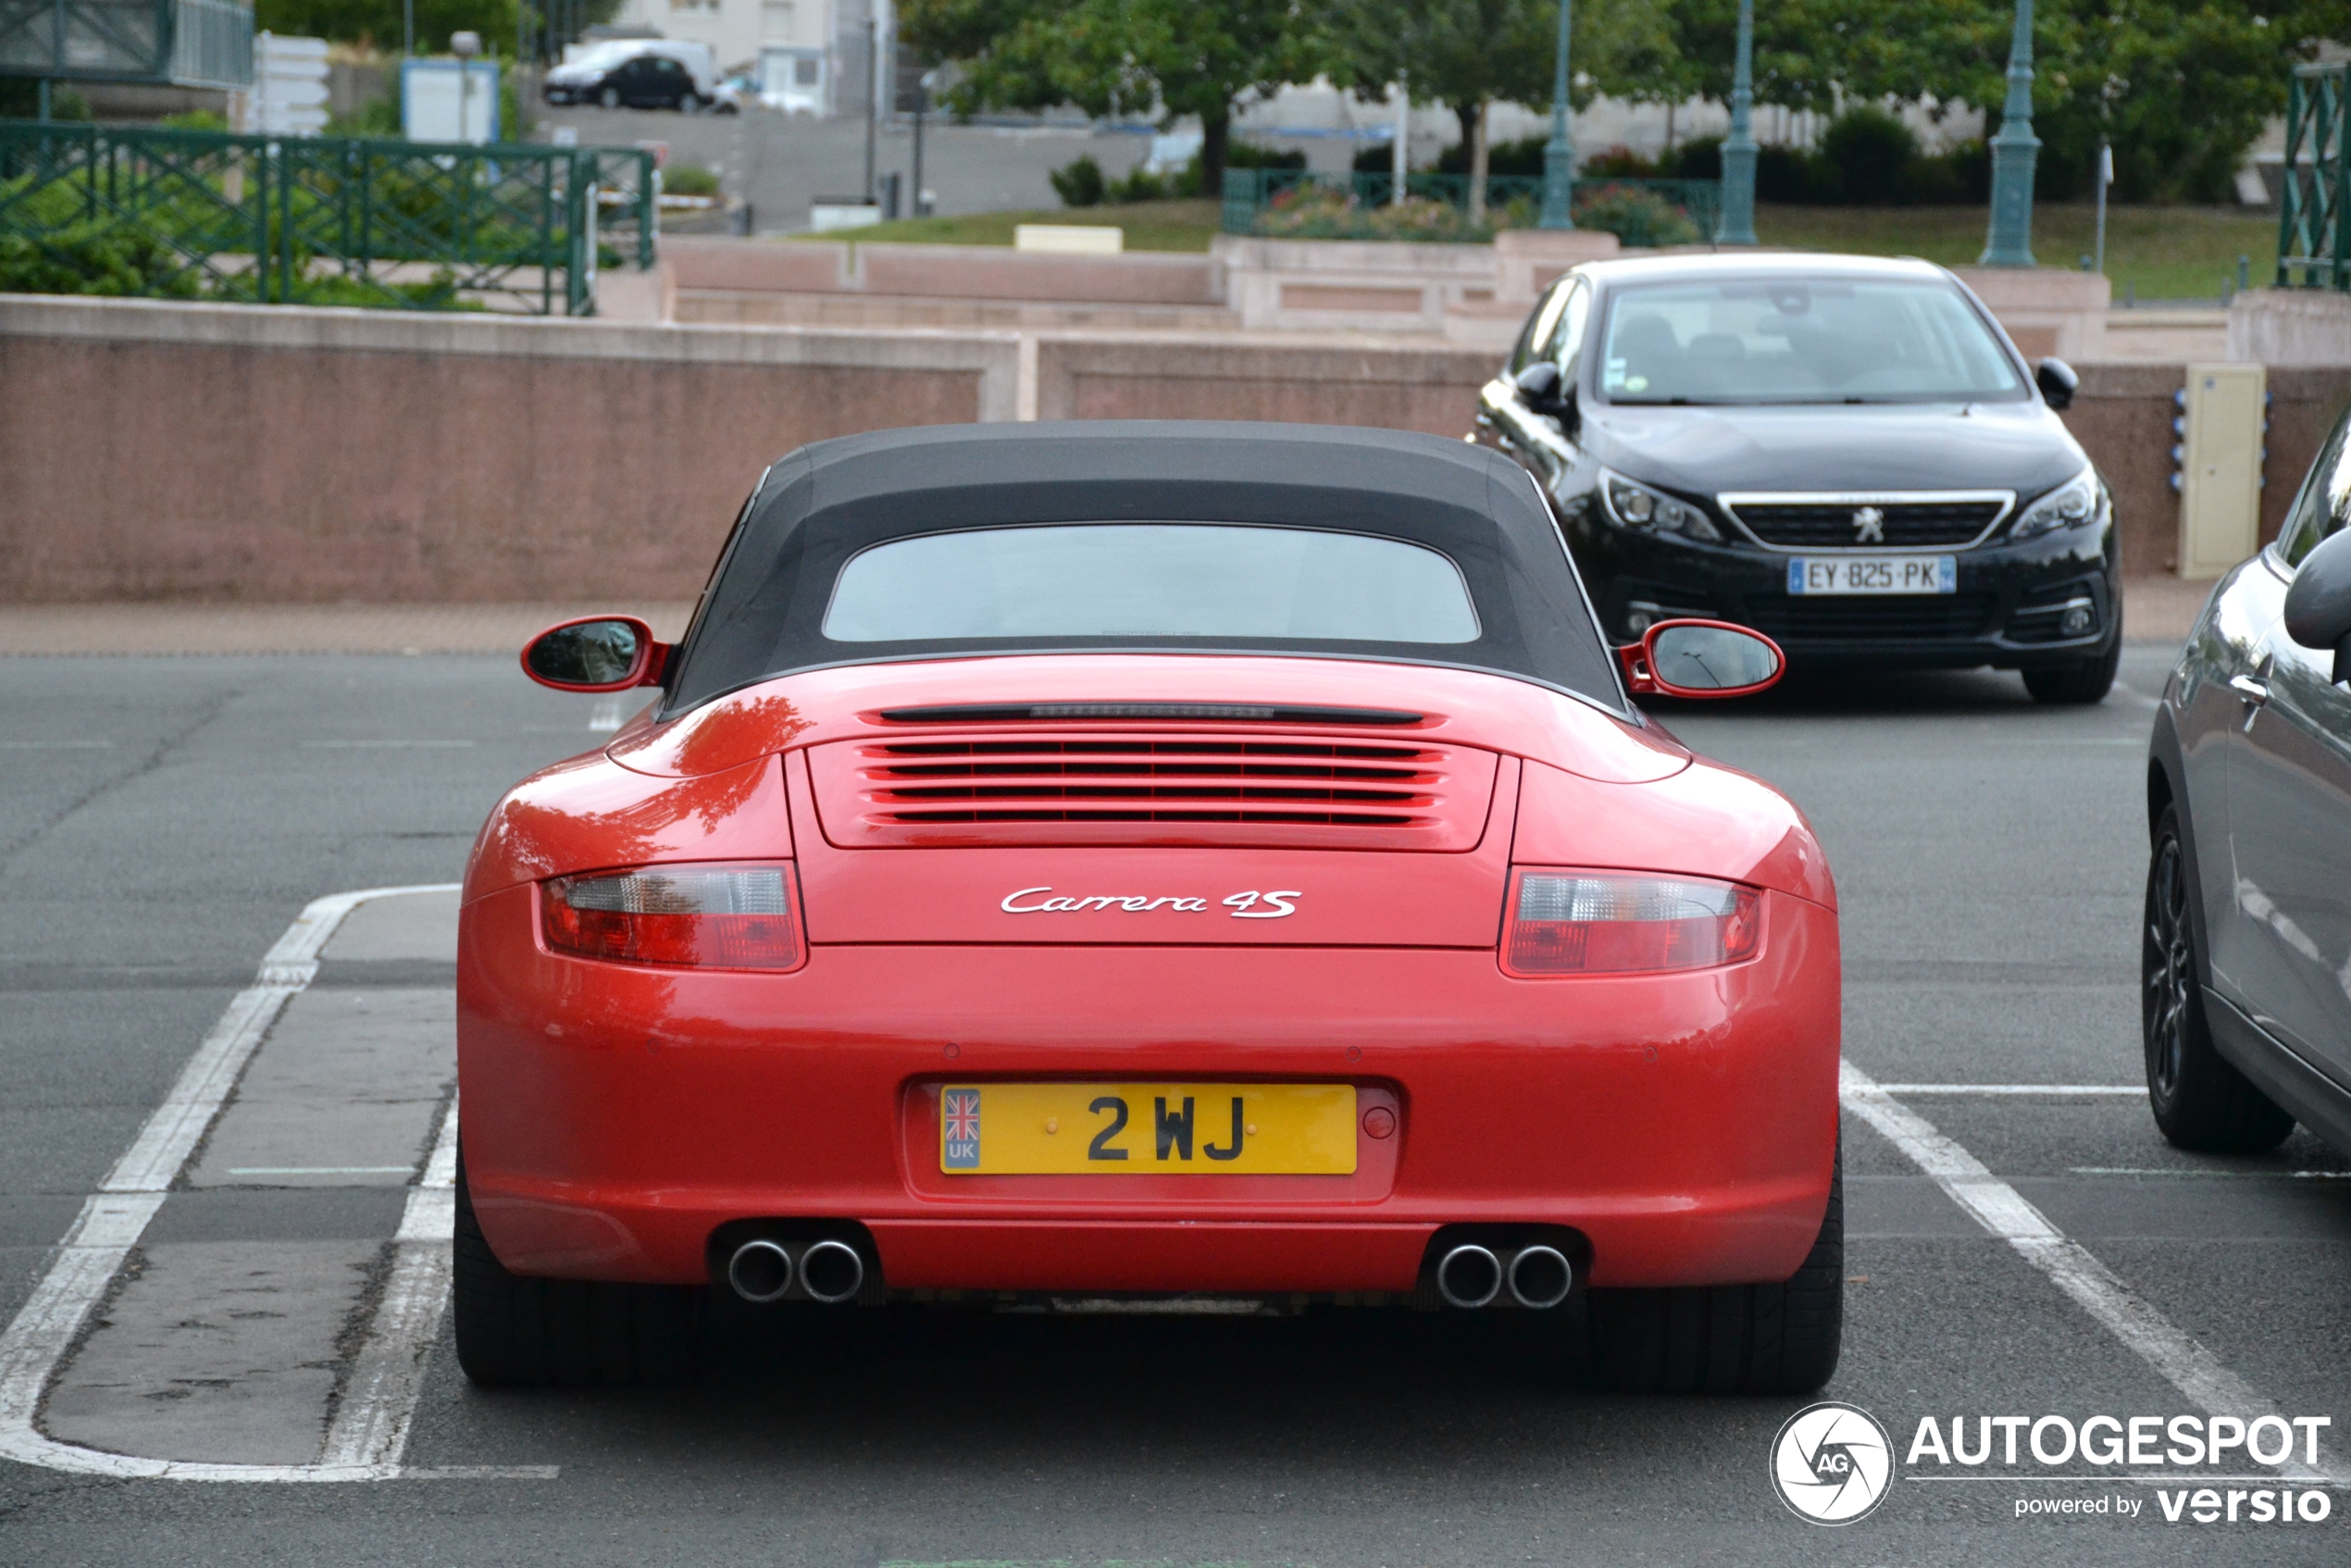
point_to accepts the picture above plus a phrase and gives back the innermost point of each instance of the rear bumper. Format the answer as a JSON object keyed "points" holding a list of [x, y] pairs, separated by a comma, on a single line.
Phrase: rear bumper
{"points": [[614, 1117]]}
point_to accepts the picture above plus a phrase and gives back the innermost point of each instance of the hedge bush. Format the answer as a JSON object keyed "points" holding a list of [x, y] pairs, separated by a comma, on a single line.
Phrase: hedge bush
{"points": [[1866, 158]]}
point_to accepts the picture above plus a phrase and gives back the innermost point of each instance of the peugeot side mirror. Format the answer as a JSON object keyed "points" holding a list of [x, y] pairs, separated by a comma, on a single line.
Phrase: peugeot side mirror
{"points": [[1694, 658], [2318, 608], [596, 653], [2057, 381]]}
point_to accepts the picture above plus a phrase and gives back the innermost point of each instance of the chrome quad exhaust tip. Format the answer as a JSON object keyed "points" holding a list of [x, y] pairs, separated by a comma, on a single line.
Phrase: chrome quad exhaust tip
{"points": [[1469, 1276], [1540, 1277], [761, 1271], [831, 1272]]}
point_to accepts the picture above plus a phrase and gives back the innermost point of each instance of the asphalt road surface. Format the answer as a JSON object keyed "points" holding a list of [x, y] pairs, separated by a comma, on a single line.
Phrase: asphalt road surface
{"points": [[164, 821]]}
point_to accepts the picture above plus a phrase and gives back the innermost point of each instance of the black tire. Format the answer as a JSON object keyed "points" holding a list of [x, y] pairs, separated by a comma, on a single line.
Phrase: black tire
{"points": [[1779, 1338], [690, 104], [2076, 685], [609, 97], [2201, 1102], [515, 1332]]}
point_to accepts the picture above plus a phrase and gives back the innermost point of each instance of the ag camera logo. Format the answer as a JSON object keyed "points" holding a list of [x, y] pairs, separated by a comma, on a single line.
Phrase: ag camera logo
{"points": [[1832, 1463]]}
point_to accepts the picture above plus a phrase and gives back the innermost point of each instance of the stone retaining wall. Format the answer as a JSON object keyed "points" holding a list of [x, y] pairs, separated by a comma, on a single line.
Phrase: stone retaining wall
{"points": [[164, 451], [160, 451]]}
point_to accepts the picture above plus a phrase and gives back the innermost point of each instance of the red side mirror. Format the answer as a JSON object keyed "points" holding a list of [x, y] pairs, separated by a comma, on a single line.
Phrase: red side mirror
{"points": [[1697, 658], [596, 653]]}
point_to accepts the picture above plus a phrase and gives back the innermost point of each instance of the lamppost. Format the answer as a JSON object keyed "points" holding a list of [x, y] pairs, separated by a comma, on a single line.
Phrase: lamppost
{"points": [[1736, 226], [1558, 153], [922, 90], [465, 45], [2014, 151]]}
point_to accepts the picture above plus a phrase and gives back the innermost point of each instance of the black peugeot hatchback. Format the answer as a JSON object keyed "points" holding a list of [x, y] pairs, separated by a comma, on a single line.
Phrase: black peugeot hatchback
{"points": [[1844, 452]]}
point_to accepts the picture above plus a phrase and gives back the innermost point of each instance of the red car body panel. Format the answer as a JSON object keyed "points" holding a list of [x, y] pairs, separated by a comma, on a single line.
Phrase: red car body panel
{"points": [[819, 705], [1685, 1123]]}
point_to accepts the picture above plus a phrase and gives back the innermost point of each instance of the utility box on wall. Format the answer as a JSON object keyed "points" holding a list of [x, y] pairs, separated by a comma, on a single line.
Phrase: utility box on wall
{"points": [[2223, 415]]}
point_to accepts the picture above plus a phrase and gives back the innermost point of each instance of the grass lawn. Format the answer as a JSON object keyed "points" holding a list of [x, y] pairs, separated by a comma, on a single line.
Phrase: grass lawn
{"points": [[2164, 252], [1149, 226]]}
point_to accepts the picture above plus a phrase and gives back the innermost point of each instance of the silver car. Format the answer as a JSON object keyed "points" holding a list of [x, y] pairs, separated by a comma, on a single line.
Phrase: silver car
{"points": [[2247, 954]]}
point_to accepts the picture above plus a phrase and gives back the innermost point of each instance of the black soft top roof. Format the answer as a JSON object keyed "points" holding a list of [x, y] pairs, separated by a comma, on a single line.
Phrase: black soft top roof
{"points": [[820, 505]]}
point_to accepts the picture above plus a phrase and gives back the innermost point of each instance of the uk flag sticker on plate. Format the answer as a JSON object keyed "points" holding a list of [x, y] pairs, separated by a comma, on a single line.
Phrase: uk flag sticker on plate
{"points": [[959, 1125]]}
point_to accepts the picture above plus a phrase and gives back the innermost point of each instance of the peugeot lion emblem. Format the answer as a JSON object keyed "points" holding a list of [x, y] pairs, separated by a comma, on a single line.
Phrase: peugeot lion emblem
{"points": [[1869, 525]]}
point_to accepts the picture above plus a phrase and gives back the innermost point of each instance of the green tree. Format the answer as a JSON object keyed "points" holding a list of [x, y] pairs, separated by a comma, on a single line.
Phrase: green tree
{"points": [[1463, 54], [378, 22], [1470, 55], [2181, 87], [1167, 58]]}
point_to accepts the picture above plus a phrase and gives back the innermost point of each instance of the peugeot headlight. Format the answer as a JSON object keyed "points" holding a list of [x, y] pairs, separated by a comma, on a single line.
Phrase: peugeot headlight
{"points": [[1638, 506], [2076, 501]]}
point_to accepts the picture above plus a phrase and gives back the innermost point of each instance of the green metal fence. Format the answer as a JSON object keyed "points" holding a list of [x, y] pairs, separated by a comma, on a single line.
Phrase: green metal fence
{"points": [[334, 220], [2314, 213], [1293, 202]]}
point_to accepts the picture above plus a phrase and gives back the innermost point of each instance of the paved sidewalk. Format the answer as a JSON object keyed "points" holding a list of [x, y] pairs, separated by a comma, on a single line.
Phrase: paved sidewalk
{"points": [[2156, 610], [301, 629]]}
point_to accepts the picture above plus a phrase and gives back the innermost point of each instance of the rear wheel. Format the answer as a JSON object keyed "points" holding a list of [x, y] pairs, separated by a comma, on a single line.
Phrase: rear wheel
{"points": [[2200, 1100], [609, 97], [1779, 1338], [517, 1332], [2073, 685]]}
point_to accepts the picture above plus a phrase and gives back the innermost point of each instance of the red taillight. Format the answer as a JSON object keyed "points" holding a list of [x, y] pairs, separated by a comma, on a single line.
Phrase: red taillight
{"points": [[704, 916], [1609, 922]]}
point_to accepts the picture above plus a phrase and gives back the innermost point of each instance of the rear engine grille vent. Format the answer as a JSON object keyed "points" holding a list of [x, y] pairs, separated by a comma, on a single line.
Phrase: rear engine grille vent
{"points": [[1152, 789], [1899, 524]]}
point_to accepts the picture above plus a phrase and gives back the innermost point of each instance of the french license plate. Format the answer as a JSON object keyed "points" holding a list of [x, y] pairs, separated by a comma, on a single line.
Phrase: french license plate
{"points": [[1147, 1129], [1874, 574]]}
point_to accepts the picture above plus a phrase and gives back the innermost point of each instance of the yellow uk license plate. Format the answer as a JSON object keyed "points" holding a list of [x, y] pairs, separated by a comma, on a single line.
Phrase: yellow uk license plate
{"points": [[1147, 1129]]}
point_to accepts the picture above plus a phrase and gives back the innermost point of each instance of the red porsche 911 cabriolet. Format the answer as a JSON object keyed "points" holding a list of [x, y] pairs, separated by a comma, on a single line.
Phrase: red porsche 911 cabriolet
{"points": [[1150, 860]]}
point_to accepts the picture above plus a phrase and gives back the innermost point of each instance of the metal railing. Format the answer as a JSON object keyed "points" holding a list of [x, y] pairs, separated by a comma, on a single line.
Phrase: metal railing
{"points": [[212, 43], [329, 220], [2314, 207], [1357, 206], [192, 42]]}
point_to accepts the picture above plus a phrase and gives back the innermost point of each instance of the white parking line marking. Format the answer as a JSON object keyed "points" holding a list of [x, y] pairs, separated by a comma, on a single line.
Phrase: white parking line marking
{"points": [[2140, 698], [370, 1426], [379, 745], [2003, 1212], [2183, 1477], [113, 1219], [606, 717], [320, 1170], [2137, 1090], [2190, 1172]]}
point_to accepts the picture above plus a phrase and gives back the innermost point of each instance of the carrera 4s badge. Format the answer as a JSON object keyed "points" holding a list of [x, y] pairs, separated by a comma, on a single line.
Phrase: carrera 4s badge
{"points": [[1245, 906]]}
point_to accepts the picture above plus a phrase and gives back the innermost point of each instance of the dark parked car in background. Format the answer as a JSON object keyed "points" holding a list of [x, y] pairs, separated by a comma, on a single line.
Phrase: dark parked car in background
{"points": [[1844, 452], [637, 75], [2247, 951]]}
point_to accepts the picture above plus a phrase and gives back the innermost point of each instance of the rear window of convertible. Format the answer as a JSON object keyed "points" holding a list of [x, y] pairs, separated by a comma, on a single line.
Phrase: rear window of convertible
{"points": [[1159, 579], [1115, 536]]}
